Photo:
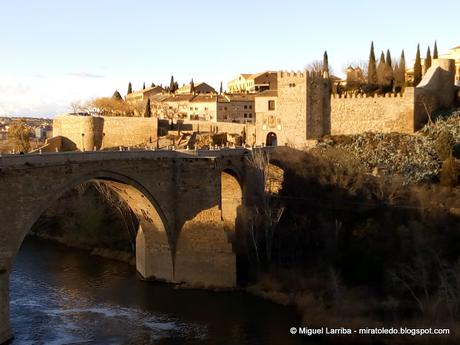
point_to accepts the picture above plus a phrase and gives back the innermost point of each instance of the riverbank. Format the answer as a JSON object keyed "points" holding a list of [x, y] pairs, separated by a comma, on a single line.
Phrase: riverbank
{"points": [[117, 255]]}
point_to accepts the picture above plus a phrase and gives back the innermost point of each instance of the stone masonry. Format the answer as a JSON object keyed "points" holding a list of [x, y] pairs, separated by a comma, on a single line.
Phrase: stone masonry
{"points": [[188, 205]]}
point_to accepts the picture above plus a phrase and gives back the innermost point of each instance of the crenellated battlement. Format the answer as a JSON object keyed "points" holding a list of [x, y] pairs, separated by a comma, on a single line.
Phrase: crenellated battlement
{"points": [[408, 93], [299, 75]]}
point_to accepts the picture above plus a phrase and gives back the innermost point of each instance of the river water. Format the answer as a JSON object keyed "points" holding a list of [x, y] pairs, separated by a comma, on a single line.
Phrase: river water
{"points": [[66, 296]]}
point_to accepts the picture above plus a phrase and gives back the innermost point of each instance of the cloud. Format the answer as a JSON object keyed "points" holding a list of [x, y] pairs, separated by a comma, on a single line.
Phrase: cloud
{"points": [[86, 75], [50, 95]]}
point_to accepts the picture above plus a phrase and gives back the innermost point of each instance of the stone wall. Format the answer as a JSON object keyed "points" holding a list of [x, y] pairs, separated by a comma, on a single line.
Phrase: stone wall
{"points": [[360, 114], [405, 113], [214, 127], [129, 131], [88, 132], [435, 91]]}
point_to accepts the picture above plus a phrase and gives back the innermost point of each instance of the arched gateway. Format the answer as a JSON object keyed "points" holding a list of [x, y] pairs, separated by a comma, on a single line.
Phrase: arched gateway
{"points": [[187, 208]]}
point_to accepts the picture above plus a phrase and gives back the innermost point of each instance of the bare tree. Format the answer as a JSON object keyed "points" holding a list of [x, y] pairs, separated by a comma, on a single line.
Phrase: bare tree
{"points": [[315, 66], [78, 106], [113, 199], [269, 211]]}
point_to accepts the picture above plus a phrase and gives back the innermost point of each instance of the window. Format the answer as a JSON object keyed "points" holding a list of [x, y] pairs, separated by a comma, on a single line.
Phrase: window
{"points": [[196, 108], [271, 105], [250, 114], [250, 107], [205, 108], [225, 108], [191, 108], [245, 115], [245, 107]]}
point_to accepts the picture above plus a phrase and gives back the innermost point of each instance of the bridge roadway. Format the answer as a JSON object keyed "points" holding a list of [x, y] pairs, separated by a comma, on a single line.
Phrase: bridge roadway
{"points": [[189, 204]]}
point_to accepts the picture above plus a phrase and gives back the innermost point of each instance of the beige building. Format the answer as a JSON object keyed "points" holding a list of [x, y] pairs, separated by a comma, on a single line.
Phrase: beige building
{"points": [[253, 82], [199, 89], [454, 54], [238, 108], [143, 94]]}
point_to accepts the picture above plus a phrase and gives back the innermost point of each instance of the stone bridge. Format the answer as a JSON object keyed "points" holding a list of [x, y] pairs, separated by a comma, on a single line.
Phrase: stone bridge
{"points": [[188, 206]]}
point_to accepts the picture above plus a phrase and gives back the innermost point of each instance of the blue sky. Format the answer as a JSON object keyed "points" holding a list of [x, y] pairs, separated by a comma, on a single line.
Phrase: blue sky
{"points": [[55, 52]]}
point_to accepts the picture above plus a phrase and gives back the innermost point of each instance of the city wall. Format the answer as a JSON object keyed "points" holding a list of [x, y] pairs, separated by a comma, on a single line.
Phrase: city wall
{"points": [[404, 113], [88, 132], [359, 114]]}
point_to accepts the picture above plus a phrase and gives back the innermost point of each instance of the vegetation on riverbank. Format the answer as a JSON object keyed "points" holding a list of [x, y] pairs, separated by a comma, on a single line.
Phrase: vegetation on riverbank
{"points": [[359, 247]]}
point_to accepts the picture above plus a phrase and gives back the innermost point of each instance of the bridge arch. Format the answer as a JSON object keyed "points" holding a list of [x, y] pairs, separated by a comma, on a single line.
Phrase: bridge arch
{"points": [[153, 239], [231, 195]]}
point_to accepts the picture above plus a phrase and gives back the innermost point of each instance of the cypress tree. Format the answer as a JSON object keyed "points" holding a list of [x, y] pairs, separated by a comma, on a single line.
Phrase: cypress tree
{"points": [[435, 50], [143, 86], [130, 88], [147, 111], [116, 95], [400, 73], [381, 69], [388, 59], [372, 68], [402, 69], [221, 88], [192, 86], [428, 59], [388, 75], [417, 67], [172, 84], [325, 63]]}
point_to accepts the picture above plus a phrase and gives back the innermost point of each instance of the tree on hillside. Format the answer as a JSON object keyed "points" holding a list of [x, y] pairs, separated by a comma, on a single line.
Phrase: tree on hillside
{"points": [[109, 106], [116, 95], [400, 73], [315, 66], [152, 85], [78, 107], [130, 88], [143, 86], [381, 69], [417, 67], [192, 87], [325, 63], [427, 60], [388, 74], [19, 135], [172, 85], [388, 58], [147, 111], [372, 79], [435, 50]]}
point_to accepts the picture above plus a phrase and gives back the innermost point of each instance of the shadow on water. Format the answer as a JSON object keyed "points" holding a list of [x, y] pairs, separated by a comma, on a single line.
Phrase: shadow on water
{"points": [[66, 296]]}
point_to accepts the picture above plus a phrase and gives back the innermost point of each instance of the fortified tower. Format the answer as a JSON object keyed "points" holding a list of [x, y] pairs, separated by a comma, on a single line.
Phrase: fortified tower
{"points": [[297, 112]]}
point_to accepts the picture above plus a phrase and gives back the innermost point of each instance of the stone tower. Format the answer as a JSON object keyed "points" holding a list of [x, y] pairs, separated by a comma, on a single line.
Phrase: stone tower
{"points": [[304, 105]]}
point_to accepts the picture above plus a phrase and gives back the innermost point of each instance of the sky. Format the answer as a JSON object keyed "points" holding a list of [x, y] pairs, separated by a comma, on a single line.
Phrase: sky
{"points": [[53, 53]]}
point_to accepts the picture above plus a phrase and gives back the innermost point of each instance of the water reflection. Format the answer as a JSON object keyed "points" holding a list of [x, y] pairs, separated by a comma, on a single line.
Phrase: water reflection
{"points": [[65, 296]]}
